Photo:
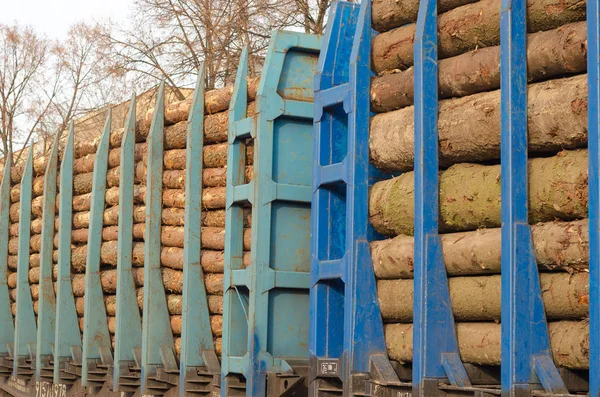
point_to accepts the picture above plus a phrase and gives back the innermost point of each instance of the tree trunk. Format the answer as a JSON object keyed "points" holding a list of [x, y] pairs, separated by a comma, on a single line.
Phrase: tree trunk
{"points": [[389, 14], [470, 27], [470, 195], [217, 177], [469, 128], [171, 252], [479, 343], [172, 279], [557, 245], [550, 54], [566, 297]]}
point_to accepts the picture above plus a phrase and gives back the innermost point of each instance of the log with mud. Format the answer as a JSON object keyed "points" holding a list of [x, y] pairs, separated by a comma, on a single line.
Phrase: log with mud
{"points": [[479, 343], [566, 297], [469, 128], [469, 195], [550, 54], [172, 280], [470, 27], [557, 245]]}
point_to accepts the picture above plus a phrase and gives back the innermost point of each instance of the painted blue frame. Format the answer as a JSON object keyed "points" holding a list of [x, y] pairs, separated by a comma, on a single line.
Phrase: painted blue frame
{"points": [[7, 327], [128, 332], [47, 298], [97, 355], [25, 324], [525, 338], [435, 345], [277, 281]]}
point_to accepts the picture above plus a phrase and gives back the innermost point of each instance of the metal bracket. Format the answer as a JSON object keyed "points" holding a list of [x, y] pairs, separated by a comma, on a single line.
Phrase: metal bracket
{"points": [[525, 340]]}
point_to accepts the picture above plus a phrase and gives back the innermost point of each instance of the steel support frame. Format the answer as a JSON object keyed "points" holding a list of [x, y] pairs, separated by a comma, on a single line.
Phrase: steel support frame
{"points": [[199, 366], [276, 282], [97, 356], [23, 354], [347, 345], [435, 346], [128, 332], [525, 342], [7, 327]]}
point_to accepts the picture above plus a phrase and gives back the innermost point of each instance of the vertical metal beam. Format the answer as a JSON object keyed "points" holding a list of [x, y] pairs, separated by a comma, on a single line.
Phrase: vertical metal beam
{"points": [[593, 69], [329, 258], [235, 299], [279, 282], [96, 338], [47, 299], [158, 348], [434, 333], [525, 343], [7, 328], [67, 335], [197, 346], [128, 334], [25, 325]]}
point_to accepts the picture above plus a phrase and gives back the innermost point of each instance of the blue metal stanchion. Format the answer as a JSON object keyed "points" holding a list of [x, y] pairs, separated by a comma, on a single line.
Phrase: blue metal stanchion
{"points": [[7, 328], [278, 276], [593, 53], [97, 358], [128, 332], [435, 346], [199, 366], [347, 344], [25, 324], [47, 299], [67, 342], [158, 345], [526, 355]]}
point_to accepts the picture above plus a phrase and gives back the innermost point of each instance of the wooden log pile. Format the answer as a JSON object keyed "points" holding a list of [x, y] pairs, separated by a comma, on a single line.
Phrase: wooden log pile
{"points": [[469, 149]]}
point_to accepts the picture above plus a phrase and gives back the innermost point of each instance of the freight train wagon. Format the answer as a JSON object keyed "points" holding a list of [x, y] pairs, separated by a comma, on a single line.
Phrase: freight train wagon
{"points": [[390, 217]]}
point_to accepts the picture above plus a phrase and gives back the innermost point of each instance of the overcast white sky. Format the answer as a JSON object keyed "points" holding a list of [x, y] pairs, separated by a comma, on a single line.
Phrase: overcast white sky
{"points": [[53, 17]]}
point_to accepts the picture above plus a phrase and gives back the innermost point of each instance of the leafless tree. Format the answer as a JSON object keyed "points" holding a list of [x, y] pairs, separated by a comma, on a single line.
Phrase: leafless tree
{"points": [[167, 39]]}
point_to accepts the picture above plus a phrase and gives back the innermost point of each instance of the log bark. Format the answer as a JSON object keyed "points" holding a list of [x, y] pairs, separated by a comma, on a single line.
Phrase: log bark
{"points": [[172, 257], [557, 245], [389, 14], [550, 54], [469, 128], [479, 343], [174, 304], [469, 27], [217, 177], [214, 101], [470, 195], [566, 297], [172, 279], [170, 217]]}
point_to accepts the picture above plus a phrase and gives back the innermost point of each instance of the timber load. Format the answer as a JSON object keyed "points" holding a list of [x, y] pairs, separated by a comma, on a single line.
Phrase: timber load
{"points": [[214, 176], [469, 178]]}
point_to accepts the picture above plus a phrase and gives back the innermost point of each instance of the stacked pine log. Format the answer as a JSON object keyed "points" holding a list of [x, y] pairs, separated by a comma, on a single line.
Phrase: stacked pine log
{"points": [[173, 198], [469, 150], [39, 170]]}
